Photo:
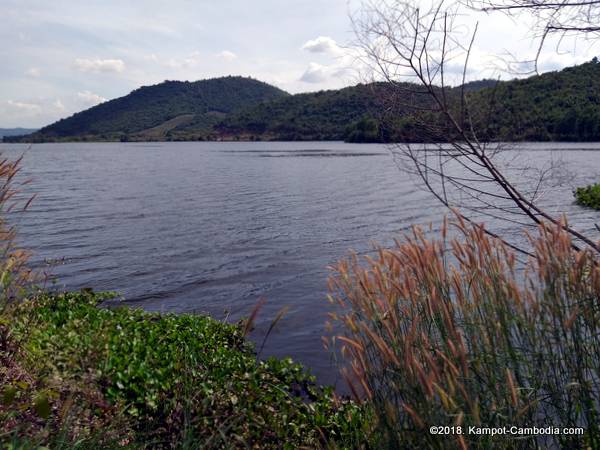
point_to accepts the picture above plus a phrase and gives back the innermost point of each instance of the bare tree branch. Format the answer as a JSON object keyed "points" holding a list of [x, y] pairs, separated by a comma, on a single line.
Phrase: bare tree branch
{"points": [[568, 18], [402, 41]]}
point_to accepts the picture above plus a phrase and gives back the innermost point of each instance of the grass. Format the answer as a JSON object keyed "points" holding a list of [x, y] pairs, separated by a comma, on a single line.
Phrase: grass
{"points": [[447, 332], [145, 380], [588, 196]]}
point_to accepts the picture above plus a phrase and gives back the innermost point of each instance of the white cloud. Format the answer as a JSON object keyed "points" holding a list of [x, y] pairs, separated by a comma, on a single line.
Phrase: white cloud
{"points": [[33, 72], [24, 107], [99, 65], [191, 60], [315, 73], [88, 99], [322, 44], [227, 55], [556, 61], [58, 105], [338, 71]]}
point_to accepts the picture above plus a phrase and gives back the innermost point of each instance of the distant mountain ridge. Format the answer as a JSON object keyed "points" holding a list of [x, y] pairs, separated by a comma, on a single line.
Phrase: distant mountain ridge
{"points": [[16, 131], [561, 105]]}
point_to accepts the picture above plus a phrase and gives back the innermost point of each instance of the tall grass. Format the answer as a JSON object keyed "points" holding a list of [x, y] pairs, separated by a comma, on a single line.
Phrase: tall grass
{"points": [[14, 274], [451, 331]]}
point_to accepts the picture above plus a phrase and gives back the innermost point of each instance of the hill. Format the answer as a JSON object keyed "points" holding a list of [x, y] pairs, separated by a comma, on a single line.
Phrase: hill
{"points": [[323, 115], [151, 112], [16, 131], [561, 105]]}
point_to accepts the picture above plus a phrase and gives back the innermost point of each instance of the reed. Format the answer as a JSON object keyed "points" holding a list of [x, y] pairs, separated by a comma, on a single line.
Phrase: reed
{"points": [[455, 331], [15, 276]]}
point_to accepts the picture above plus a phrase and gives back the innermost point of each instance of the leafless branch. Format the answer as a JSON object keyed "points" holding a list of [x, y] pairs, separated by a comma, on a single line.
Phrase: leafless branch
{"points": [[411, 47]]}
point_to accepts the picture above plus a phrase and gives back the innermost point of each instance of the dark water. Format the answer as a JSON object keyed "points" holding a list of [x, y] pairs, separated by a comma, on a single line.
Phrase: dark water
{"points": [[212, 227]]}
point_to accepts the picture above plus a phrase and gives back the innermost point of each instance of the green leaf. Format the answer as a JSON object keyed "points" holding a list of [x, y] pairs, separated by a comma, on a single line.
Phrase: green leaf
{"points": [[9, 395], [42, 406]]}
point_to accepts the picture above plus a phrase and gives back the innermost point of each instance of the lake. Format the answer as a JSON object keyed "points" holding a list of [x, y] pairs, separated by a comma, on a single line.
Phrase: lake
{"points": [[203, 227]]}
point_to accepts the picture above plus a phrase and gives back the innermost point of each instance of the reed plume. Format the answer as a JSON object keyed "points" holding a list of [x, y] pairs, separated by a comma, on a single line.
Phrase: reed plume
{"points": [[454, 331]]}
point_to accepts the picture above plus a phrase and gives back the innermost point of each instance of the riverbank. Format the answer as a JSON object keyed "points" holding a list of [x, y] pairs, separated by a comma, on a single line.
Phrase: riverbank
{"points": [[75, 376]]}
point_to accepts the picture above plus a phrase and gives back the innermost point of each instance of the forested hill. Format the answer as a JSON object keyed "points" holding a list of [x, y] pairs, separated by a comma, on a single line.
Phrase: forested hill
{"points": [[562, 105], [151, 112], [324, 115]]}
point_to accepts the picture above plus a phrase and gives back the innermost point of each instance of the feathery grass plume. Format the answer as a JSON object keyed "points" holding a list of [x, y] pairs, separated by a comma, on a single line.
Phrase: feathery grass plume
{"points": [[14, 274], [453, 331]]}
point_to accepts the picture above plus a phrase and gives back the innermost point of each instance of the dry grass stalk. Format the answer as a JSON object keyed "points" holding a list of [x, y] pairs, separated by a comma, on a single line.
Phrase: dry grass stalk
{"points": [[450, 331]]}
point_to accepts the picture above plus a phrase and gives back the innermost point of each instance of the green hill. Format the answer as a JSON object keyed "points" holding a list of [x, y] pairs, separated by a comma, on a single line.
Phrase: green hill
{"points": [[562, 105], [313, 116], [151, 112]]}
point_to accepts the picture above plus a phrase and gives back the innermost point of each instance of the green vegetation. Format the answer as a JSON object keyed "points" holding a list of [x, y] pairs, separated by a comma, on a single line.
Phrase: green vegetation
{"points": [[563, 105], [588, 196], [155, 381], [137, 115], [557, 106], [323, 115]]}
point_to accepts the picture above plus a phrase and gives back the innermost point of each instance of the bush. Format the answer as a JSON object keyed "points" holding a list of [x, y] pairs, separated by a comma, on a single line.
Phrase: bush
{"points": [[451, 332], [168, 379], [588, 196]]}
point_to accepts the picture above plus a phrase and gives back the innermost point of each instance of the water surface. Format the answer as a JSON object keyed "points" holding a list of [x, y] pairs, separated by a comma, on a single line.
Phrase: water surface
{"points": [[212, 227]]}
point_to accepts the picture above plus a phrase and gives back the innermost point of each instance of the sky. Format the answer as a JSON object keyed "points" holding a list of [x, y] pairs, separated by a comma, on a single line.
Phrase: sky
{"points": [[63, 56]]}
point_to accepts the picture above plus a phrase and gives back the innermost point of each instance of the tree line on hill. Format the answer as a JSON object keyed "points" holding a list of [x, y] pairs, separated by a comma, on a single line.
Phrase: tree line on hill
{"points": [[560, 106]]}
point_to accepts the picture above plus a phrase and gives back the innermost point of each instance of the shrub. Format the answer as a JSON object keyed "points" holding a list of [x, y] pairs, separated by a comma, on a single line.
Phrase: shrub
{"points": [[173, 379], [451, 331], [588, 196]]}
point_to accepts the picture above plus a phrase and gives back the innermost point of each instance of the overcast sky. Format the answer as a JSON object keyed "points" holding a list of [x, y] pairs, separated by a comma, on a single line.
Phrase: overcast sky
{"points": [[62, 56]]}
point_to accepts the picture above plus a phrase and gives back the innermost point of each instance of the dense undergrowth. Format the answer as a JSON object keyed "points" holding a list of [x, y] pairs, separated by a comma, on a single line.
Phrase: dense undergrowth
{"points": [[126, 378]]}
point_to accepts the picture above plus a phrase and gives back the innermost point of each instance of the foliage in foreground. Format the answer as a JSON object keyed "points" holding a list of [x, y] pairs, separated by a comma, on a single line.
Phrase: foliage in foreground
{"points": [[125, 378], [588, 196], [448, 332]]}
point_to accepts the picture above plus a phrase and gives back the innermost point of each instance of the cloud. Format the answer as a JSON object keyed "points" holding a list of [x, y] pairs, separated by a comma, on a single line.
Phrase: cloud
{"points": [[58, 105], [343, 61], [88, 99], [322, 44], [192, 60], [227, 55], [315, 73], [556, 61], [23, 107], [99, 65], [33, 72]]}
